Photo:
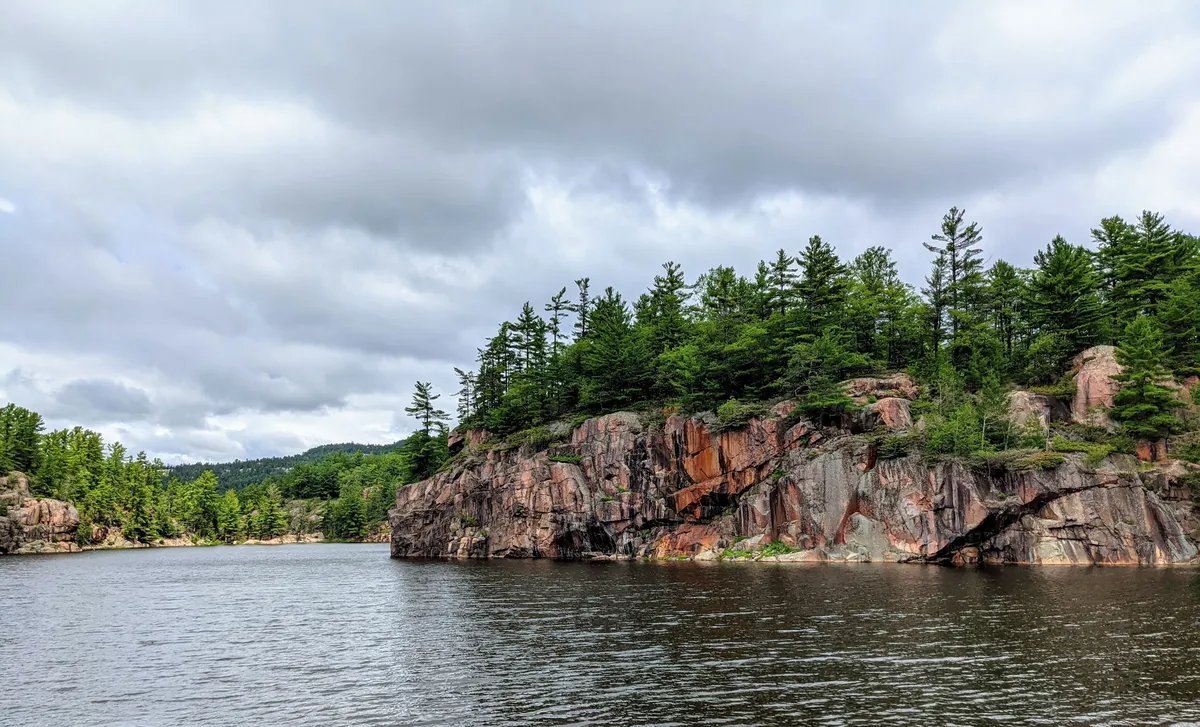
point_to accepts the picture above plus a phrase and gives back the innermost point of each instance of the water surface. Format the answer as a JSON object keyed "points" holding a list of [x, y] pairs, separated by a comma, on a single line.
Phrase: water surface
{"points": [[340, 634]]}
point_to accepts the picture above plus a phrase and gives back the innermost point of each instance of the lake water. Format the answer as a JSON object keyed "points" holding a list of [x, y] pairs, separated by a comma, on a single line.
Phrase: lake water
{"points": [[341, 634]]}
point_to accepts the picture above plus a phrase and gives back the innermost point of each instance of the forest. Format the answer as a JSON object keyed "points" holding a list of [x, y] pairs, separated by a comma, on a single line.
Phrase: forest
{"points": [[342, 491], [798, 326]]}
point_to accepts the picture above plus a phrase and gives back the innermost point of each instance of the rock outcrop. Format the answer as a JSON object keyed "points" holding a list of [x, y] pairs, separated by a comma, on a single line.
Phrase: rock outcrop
{"points": [[34, 525], [621, 488], [1095, 385], [1025, 406]]}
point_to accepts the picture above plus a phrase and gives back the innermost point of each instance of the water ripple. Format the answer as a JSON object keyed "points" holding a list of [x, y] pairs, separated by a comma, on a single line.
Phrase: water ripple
{"points": [[340, 634]]}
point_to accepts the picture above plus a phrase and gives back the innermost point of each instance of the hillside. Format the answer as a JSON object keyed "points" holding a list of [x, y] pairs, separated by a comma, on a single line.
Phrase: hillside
{"points": [[239, 474]]}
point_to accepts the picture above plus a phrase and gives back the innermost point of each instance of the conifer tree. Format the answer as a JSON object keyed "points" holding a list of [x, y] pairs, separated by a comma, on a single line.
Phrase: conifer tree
{"points": [[782, 280], [963, 268], [615, 358], [1143, 406], [424, 410], [558, 307], [822, 286], [1064, 299]]}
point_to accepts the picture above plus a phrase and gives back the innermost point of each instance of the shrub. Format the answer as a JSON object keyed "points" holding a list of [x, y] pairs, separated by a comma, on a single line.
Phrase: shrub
{"points": [[895, 446], [537, 437], [1017, 460], [566, 458], [777, 548], [733, 413], [1095, 452]]}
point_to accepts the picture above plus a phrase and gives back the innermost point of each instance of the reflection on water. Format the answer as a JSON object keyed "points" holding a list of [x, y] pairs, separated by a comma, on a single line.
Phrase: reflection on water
{"points": [[340, 634]]}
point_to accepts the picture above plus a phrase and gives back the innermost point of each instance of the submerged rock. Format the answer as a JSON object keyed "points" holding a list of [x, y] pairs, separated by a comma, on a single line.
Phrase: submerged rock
{"points": [[690, 491]]}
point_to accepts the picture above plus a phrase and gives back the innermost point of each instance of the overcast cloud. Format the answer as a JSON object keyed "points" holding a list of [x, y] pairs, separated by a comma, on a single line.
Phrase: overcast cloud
{"points": [[242, 229]]}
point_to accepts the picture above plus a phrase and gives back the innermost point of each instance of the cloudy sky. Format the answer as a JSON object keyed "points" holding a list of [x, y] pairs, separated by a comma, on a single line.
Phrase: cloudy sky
{"points": [[236, 229]]}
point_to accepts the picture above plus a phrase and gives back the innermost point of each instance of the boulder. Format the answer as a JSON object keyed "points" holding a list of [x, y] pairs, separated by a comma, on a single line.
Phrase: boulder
{"points": [[1095, 385], [894, 385], [892, 412], [1024, 406]]}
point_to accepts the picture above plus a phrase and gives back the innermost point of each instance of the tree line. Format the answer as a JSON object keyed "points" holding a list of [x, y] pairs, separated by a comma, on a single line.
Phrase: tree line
{"points": [[344, 495], [802, 323]]}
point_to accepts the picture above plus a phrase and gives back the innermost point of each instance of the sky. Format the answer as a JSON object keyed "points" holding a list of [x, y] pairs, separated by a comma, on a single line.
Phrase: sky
{"points": [[241, 229]]}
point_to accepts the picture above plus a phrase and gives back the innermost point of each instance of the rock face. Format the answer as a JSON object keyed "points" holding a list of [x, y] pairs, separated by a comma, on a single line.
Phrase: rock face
{"points": [[34, 525], [1024, 406], [1095, 385], [687, 490]]}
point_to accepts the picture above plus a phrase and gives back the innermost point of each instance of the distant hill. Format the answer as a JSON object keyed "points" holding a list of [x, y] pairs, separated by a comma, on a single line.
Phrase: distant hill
{"points": [[239, 474]]}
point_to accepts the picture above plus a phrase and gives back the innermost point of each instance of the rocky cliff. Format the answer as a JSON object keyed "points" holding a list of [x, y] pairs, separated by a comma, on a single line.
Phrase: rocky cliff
{"points": [[34, 525], [623, 488]]}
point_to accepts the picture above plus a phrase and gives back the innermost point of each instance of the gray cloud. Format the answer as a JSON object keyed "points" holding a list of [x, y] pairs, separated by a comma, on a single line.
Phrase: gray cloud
{"points": [[276, 215], [101, 400]]}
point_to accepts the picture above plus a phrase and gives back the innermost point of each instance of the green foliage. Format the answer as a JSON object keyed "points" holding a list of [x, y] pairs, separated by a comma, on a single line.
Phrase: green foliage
{"points": [[733, 413], [1095, 452], [897, 446], [239, 474], [346, 517], [1017, 460], [777, 548], [1063, 389], [1144, 407], [566, 458]]}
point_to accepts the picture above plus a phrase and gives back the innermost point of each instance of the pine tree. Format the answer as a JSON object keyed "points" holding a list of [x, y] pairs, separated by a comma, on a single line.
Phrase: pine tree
{"points": [[615, 359], [558, 307], [937, 297], [1006, 294], [1115, 239], [582, 309], [465, 394], [963, 268], [424, 410], [1064, 299], [821, 288], [782, 278], [1143, 406], [20, 439], [1180, 323], [1147, 265], [229, 517]]}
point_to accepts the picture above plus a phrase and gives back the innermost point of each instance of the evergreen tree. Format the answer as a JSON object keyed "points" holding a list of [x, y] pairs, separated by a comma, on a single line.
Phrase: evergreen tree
{"points": [[1178, 317], [615, 358], [582, 309], [1064, 298], [822, 286], [1006, 294], [466, 394], [20, 439], [423, 409], [558, 307], [229, 517], [782, 280], [963, 268], [1143, 406]]}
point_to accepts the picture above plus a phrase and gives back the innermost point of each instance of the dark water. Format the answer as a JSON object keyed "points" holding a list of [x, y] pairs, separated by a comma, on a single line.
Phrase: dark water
{"points": [[340, 634]]}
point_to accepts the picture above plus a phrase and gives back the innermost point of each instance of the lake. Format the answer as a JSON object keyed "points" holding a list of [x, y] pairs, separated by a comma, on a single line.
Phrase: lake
{"points": [[341, 634]]}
